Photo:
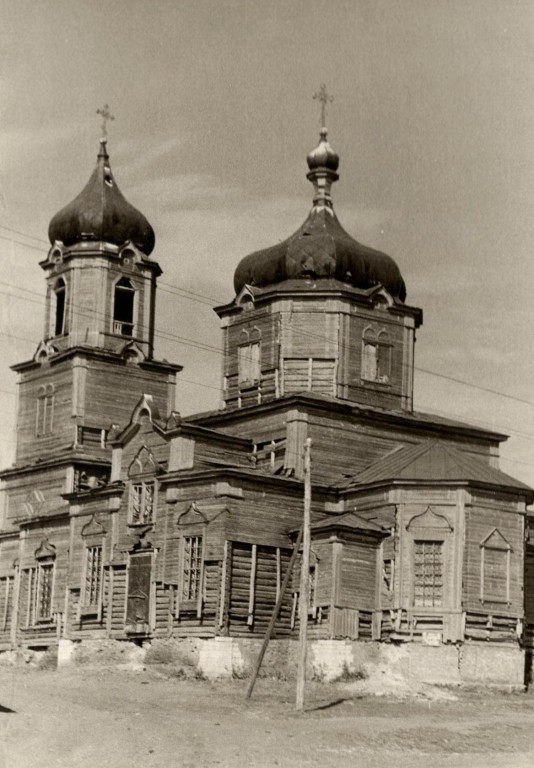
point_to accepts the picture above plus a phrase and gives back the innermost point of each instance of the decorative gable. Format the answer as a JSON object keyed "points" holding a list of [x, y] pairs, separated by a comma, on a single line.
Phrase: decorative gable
{"points": [[144, 464], [45, 550], [93, 528], [496, 540], [430, 519], [192, 516]]}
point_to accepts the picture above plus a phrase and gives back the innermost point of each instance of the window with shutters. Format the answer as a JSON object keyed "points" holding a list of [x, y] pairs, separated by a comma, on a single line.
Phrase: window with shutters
{"points": [[142, 496], [428, 574]]}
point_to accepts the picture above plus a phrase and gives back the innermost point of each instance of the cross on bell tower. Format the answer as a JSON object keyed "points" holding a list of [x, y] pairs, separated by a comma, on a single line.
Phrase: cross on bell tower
{"points": [[324, 97]]}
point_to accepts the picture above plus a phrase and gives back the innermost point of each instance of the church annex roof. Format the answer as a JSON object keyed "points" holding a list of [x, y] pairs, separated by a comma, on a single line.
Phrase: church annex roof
{"points": [[434, 461], [101, 213]]}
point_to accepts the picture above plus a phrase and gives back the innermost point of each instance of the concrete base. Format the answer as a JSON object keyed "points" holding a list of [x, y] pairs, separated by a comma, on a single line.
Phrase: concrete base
{"points": [[473, 663]]}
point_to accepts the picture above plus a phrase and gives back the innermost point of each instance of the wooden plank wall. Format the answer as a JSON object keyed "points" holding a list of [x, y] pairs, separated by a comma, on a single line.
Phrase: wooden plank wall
{"points": [[31, 446], [482, 517]]}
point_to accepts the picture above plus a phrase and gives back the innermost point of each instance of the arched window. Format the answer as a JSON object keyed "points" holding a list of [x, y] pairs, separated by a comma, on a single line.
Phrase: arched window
{"points": [[383, 361], [369, 355], [60, 292], [376, 356], [123, 308], [44, 421], [249, 358]]}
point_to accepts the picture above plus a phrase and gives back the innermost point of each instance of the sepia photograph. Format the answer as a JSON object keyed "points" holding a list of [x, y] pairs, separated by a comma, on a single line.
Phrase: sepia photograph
{"points": [[267, 383]]}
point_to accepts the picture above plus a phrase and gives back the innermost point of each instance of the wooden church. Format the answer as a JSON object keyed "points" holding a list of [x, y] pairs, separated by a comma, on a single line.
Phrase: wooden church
{"points": [[124, 520]]}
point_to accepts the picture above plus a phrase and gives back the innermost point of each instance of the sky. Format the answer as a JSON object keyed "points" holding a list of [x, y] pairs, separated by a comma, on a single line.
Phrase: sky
{"points": [[432, 117]]}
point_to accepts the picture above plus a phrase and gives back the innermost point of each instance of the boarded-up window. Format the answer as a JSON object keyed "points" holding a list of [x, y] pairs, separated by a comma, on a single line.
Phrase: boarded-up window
{"points": [[309, 375], [139, 583], [142, 502], [428, 574], [495, 569], [248, 363], [44, 420]]}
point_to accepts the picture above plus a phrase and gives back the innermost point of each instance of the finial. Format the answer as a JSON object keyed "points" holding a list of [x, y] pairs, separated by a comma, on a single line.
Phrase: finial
{"points": [[324, 97], [106, 115]]}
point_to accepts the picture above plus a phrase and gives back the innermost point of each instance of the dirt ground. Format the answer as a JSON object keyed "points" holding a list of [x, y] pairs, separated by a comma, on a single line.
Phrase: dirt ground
{"points": [[116, 719]]}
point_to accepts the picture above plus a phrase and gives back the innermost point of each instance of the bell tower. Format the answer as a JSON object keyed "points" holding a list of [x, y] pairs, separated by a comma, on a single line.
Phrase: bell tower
{"points": [[96, 357]]}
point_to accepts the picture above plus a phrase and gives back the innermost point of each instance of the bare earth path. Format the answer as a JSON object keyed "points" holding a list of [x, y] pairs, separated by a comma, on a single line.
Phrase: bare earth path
{"points": [[116, 719]]}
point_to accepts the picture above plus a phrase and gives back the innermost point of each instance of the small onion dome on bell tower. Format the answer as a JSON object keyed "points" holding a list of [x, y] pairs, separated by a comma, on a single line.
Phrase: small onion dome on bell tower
{"points": [[101, 213], [323, 156]]}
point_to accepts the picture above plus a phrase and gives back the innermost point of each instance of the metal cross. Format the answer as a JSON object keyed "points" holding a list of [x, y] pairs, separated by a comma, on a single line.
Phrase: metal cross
{"points": [[106, 115], [324, 97]]}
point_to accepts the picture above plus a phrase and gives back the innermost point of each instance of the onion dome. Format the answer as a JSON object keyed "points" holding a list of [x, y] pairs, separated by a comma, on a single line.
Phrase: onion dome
{"points": [[321, 248], [101, 213]]}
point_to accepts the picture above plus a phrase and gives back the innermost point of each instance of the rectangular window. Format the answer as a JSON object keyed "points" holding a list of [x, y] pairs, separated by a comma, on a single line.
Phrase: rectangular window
{"points": [[428, 574], [142, 503], [191, 582], [248, 363], [39, 586], [46, 578], [93, 576], [495, 585]]}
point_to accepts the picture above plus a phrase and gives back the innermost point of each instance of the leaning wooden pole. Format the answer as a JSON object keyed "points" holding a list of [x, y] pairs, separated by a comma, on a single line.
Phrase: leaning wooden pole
{"points": [[304, 579], [274, 616]]}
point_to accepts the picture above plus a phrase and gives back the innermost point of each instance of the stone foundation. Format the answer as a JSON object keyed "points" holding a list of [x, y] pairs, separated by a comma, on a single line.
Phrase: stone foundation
{"points": [[499, 665]]}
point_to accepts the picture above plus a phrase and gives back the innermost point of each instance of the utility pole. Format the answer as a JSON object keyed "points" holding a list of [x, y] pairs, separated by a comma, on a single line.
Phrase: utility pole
{"points": [[304, 578]]}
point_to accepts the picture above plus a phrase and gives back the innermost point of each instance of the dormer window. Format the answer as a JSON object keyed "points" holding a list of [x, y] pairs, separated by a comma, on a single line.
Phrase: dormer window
{"points": [[60, 293], [123, 308], [376, 356]]}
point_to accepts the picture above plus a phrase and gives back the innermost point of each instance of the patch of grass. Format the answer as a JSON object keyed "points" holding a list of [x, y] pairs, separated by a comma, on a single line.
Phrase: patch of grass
{"points": [[240, 674], [348, 675], [48, 660]]}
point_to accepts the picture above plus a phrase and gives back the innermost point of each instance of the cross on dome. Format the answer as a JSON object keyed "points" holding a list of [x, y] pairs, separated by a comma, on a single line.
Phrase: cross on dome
{"points": [[324, 97], [106, 115]]}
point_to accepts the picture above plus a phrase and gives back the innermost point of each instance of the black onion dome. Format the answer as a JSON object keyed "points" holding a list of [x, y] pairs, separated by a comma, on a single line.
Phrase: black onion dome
{"points": [[321, 248], [101, 213]]}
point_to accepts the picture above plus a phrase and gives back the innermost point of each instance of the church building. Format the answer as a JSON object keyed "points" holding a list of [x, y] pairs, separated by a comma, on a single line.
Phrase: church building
{"points": [[125, 521]]}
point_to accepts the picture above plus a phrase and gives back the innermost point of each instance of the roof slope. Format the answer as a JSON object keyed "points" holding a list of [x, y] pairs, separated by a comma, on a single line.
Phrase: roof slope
{"points": [[435, 461]]}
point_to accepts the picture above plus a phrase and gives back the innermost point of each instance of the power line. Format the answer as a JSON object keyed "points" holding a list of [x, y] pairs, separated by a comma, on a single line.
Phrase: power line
{"points": [[194, 296]]}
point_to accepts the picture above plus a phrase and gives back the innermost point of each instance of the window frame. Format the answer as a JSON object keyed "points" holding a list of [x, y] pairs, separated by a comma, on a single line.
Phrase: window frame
{"points": [[376, 369], [426, 540], [60, 289], [191, 604], [88, 608], [34, 594], [44, 417], [144, 484], [125, 285]]}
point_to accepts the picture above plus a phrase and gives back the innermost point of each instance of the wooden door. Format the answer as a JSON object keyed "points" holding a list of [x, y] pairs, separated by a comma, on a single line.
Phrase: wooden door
{"points": [[138, 606]]}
